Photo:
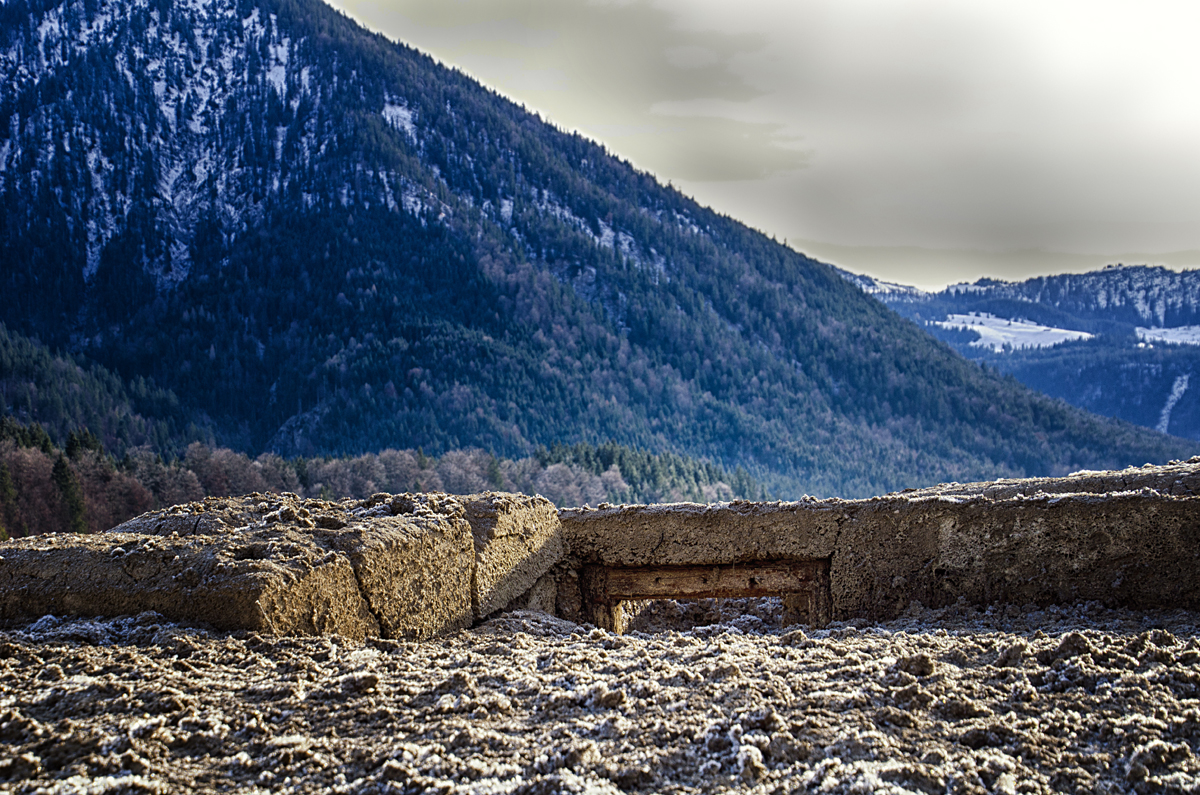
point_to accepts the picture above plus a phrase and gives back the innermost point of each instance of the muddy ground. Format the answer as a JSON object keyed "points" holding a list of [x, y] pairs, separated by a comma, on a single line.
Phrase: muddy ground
{"points": [[956, 700]]}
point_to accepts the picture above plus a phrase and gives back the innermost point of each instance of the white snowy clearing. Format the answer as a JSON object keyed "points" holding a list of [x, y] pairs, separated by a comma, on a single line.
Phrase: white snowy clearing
{"points": [[1184, 335], [997, 332]]}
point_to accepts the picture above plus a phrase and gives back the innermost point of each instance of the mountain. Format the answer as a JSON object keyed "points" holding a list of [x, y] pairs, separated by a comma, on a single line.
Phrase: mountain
{"points": [[1115, 299], [326, 243], [1137, 295], [1123, 341]]}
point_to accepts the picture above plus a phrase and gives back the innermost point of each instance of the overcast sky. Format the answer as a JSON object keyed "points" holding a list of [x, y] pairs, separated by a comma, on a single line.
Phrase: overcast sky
{"points": [[920, 141]]}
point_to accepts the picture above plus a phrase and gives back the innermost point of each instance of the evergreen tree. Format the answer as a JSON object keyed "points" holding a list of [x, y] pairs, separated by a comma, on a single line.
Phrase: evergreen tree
{"points": [[8, 496], [82, 441], [32, 435], [72, 495], [494, 475]]}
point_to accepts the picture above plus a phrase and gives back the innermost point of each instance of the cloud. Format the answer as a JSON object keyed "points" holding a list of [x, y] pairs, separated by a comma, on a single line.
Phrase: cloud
{"points": [[867, 124], [937, 125]]}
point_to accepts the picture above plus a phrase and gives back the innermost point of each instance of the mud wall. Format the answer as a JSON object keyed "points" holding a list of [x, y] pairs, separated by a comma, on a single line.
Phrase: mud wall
{"points": [[416, 566], [1129, 538]]}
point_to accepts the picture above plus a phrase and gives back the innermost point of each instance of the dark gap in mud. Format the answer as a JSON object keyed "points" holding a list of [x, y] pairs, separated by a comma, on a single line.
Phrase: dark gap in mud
{"points": [[757, 614], [252, 552], [613, 596], [365, 593]]}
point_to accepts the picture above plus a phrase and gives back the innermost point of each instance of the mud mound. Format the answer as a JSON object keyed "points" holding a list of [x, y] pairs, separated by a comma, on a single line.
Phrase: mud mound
{"points": [[892, 696], [406, 566]]}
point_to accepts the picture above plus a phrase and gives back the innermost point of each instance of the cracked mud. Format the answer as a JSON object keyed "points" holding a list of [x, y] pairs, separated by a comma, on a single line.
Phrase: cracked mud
{"points": [[1080, 699]]}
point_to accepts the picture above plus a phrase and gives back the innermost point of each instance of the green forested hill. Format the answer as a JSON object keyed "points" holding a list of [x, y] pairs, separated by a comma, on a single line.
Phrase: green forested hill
{"points": [[1152, 385], [329, 244], [59, 394]]}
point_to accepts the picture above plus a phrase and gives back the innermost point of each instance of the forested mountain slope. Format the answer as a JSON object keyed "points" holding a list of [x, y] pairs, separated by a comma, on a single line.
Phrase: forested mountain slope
{"points": [[62, 395], [327, 243]]}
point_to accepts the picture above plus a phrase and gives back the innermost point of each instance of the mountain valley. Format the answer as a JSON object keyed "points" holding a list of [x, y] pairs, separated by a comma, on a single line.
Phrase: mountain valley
{"points": [[323, 243], [1123, 341]]}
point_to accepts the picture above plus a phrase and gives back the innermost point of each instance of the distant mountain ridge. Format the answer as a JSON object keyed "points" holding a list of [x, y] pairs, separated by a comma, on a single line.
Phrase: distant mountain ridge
{"points": [[328, 244], [1137, 295], [1140, 295], [1126, 370]]}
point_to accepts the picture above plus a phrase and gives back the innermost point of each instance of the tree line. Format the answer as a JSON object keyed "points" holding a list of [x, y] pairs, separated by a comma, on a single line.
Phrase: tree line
{"points": [[81, 488]]}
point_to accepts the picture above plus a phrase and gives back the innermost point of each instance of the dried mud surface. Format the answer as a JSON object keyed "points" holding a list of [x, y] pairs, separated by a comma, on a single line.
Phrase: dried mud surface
{"points": [[1080, 699]]}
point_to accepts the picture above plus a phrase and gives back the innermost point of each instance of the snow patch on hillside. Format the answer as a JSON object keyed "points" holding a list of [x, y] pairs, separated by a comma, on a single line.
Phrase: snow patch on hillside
{"points": [[400, 117], [997, 332], [277, 77], [277, 72], [1183, 335], [964, 287], [881, 289], [607, 236]]}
